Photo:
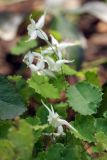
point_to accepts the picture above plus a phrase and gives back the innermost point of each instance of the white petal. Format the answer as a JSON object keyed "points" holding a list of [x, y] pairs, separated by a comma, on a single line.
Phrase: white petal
{"points": [[60, 62], [46, 107], [60, 130], [33, 68], [41, 34], [40, 22], [49, 50], [33, 22], [59, 54], [51, 63], [32, 35], [38, 55], [64, 122], [28, 58], [40, 65], [32, 26], [64, 45], [54, 41]]}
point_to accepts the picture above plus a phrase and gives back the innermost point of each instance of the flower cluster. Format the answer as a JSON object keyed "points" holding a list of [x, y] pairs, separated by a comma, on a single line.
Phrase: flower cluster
{"points": [[45, 64], [58, 123]]}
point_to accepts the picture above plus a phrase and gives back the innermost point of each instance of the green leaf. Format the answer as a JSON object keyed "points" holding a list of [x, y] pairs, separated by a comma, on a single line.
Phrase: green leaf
{"points": [[103, 107], [86, 128], [101, 139], [60, 83], [6, 150], [61, 109], [22, 87], [42, 113], [92, 77], [22, 46], [105, 114], [41, 85], [41, 156], [11, 104], [23, 140], [67, 70], [55, 152], [84, 98], [56, 34], [74, 151], [4, 127], [101, 125]]}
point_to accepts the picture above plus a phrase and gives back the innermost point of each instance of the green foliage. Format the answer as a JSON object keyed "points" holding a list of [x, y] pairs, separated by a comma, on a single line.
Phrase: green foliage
{"points": [[32, 136], [22, 46], [101, 125], [92, 77], [101, 139], [23, 140], [55, 152], [42, 86], [103, 106], [73, 151], [11, 104], [22, 87], [85, 127], [67, 70], [61, 109], [6, 150], [59, 82], [4, 127], [84, 98]]}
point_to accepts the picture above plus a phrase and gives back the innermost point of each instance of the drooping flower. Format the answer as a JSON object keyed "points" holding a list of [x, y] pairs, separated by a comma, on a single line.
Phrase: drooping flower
{"points": [[28, 58], [58, 123], [57, 47], [40, 61], [39, 67], [35, 29]]}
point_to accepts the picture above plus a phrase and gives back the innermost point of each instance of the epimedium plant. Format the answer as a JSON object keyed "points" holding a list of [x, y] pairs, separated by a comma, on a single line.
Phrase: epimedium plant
{"points": [[67, 117]]}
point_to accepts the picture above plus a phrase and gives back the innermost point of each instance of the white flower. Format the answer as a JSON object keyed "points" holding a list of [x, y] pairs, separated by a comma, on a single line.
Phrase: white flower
{"points": [[35, 29], [55, 120], [57, 47], [55, 66], [39, 67], [28, 58], [40, 64]]}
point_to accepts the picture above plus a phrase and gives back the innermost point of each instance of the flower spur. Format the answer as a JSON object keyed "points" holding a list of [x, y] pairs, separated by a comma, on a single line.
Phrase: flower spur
{"points": [[58, 123]]}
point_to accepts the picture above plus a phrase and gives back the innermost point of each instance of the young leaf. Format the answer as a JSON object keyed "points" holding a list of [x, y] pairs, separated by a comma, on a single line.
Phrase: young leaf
{"points": [[84, 98], [11, 104]]}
